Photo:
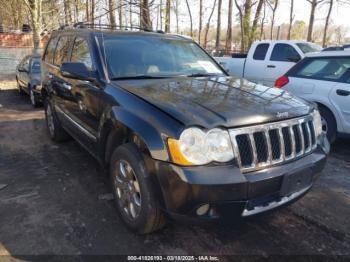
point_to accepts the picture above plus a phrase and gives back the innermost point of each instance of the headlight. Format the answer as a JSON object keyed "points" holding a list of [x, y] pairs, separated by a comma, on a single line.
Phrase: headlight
{"points": [[317, 123], [196, 147]]}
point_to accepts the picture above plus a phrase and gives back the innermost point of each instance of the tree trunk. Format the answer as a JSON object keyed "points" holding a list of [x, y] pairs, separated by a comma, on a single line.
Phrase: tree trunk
{"points": [[207, 26], [87, 11], [112, 7], [324, 41], [291, 18], [200, 20], [190, 14], [67, 12], [311, 21], [262, 23], [218, 27], [92, 12], [255, 23], [240, 12], [167, 16], [145, 20], [35, 11], [273, 8], [228, 44]]}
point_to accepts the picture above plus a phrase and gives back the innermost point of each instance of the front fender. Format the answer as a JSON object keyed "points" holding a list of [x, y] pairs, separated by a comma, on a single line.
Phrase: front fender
{"points": [[150, 135]]}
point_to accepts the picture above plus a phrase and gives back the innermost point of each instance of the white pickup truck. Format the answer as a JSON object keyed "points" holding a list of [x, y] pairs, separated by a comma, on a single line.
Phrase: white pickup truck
{"points": [[267, 60]]}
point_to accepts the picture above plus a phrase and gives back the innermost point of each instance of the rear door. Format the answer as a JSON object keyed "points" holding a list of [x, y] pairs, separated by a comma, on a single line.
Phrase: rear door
{"points": [[280, 62], [24, 75], [255, 66]]}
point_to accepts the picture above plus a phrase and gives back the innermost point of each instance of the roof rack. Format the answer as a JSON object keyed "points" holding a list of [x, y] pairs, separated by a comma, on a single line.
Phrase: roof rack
{"points": [[107, 27]]}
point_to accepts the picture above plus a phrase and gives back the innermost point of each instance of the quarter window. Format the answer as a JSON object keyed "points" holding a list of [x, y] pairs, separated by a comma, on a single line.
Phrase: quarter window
{"points": [[284, 53], [81, 53], [332, 69], [260, 52], [61, 53], [50, 50]]}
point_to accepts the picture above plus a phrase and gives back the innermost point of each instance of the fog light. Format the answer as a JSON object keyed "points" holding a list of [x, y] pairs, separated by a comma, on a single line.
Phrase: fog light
{"points": [[202, 210]]}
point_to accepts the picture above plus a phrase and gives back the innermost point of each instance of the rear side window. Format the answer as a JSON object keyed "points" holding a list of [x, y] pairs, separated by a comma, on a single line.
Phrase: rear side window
{"points": [[81, 53], [283, 53], [50, 50], [260, 52], [331, 69], [62, 49]]}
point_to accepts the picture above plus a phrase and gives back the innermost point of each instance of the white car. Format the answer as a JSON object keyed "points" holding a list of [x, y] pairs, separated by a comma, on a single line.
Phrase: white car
{"points": [[267, 60], [324, 78]]}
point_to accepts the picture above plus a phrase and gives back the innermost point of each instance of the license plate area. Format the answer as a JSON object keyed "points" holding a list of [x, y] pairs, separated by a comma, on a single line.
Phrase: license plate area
{"points": [[295, 182]]}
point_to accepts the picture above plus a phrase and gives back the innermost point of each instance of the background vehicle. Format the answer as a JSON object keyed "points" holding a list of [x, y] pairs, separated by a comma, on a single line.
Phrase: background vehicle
{"points": [[333, 48], [267, 60], [28, 77], [324, 78], [177, 134]]}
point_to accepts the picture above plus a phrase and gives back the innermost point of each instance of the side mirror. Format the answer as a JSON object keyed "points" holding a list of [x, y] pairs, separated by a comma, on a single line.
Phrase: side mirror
{"points": [[21, 69], [294, 58], [77, 71]]}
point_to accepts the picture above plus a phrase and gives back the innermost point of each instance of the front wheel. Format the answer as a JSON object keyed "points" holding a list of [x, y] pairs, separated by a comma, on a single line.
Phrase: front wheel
{"points": [[329, 125], [33, 100], [133, 193]]}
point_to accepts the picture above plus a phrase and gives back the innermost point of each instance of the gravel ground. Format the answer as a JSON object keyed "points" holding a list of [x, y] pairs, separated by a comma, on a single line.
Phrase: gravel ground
{"points": [[54, 200]]}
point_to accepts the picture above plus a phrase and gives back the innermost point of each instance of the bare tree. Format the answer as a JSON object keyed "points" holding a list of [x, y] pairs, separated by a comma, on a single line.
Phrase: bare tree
{"points": [[176, 11], [330, 8], [229, 26], [200, 20], [255, 22], [112, 7], [291, 18], [35, 10], [218, 27], [273, 6], [240, 13], [120, 12], [92, 11], [314, 4], [87, 11], [190, 14], [145, 19], [262, 23], [207, 26], [67, 12], [167, 16]]}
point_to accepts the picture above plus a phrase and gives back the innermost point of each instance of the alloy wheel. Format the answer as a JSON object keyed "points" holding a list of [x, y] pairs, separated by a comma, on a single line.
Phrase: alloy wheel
{"points": [[324, 125], [127, 190]]}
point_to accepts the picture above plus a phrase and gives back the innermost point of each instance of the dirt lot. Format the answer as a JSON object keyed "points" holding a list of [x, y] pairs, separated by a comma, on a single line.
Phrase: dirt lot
{"points": [[50, 203]]}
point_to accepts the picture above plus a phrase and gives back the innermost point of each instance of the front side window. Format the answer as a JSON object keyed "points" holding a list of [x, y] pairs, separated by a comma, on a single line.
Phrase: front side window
{"points": [[260, 52], [284, 53], [50, 50], [331, 69], [156, 56], [61, 53], [81, 53]]}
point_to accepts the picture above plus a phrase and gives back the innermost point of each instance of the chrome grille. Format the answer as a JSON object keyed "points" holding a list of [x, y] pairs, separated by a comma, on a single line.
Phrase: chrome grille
{"points": [[261, 146]]}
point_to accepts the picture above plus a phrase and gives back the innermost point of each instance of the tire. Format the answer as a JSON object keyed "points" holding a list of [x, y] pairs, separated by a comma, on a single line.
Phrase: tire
{"points": [[20, 90], [135, 186], [33, 100], [55, 129], [329, 124]]}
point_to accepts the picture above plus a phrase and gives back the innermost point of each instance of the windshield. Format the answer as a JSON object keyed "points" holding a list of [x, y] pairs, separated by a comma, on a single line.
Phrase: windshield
{"points": [[36, 65], [130, 55], [309, 47]]}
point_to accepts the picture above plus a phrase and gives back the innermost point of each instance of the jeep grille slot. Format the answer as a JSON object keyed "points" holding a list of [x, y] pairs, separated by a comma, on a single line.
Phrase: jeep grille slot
{"points": [[261, 146]]}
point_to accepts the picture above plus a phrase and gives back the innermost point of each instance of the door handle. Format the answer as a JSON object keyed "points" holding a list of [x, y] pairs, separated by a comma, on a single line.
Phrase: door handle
{"points": [[341, 92], [271, 66], [66, 86]]}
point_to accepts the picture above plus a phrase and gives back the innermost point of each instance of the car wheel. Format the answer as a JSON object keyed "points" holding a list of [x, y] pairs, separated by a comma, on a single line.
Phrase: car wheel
{"points": [[329, 125], [56, 131], [134, 198], [33, 100], [19, 88]]}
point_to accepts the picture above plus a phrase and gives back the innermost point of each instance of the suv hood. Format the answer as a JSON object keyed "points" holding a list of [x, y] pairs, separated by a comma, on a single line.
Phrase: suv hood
{"points": [[218, 101]]}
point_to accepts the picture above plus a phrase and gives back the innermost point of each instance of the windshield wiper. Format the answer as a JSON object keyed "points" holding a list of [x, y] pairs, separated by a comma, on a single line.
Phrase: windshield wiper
{"points": [[138, 77], [202, 75]]}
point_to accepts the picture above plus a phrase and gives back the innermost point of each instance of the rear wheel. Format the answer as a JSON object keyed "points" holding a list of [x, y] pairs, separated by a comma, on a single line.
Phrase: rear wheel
{"points": [[33, 99], [19, 88], [56, 131], [329, 125], [134, 196]]}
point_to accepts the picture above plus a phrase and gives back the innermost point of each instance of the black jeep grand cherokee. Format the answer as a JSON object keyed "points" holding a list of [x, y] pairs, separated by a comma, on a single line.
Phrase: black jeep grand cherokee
{"points": [[180, 137]]}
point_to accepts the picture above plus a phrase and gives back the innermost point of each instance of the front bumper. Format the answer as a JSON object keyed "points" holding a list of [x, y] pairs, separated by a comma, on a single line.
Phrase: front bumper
{"points": [[231, 193]]}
